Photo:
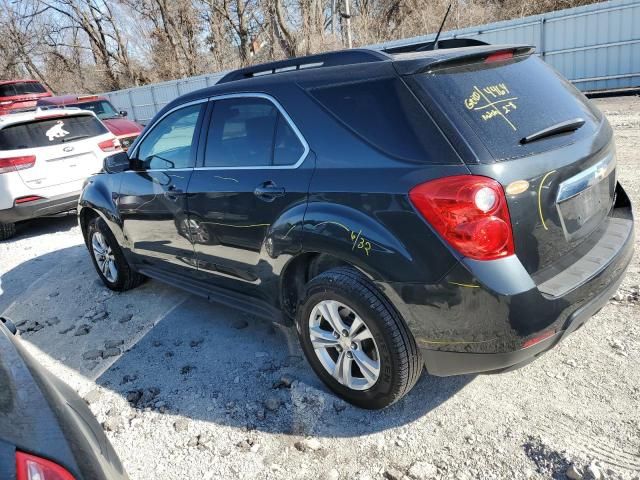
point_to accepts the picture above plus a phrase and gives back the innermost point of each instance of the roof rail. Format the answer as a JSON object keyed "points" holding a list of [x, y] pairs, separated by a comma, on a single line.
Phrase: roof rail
{"points": [[442, 44], [329, 59]]}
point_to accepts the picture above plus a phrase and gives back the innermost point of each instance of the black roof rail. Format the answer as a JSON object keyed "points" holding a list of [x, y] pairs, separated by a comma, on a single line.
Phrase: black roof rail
{"points": [[329, 59], [442, 44]]}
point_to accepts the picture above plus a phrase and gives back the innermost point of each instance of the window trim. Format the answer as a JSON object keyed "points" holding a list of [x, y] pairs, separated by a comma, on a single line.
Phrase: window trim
{"points": [[147, 132], [284, 114], [212, 99]]}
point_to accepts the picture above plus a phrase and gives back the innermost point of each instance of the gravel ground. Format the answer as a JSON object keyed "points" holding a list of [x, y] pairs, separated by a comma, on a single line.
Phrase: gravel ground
{"points": [[191, 390]]}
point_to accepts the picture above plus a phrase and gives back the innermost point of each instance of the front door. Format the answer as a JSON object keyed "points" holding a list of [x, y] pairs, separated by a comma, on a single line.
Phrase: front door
{"points": [[152, 199], [247, 198]]}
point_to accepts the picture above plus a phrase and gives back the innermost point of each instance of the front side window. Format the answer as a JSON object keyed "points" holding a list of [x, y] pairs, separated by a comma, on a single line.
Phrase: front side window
{"points": [[250, 132], [170, 143]]}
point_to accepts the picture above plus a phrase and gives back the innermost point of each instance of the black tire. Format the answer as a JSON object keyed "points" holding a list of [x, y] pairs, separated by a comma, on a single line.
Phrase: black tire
{"points": [[400, 360], [126, 278], [7, 230]]}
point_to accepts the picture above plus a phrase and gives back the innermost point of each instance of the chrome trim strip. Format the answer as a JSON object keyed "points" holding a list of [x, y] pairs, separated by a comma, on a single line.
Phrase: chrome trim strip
{"points": [[242, 95], [587, 178]]}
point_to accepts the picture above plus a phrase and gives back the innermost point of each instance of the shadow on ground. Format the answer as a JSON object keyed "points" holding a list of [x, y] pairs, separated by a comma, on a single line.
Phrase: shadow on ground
{"points": [[199, 360], [43, 225]]}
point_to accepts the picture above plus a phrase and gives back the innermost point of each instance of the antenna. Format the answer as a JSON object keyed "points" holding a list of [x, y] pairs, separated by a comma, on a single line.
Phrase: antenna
{"points": [[435, 42]]}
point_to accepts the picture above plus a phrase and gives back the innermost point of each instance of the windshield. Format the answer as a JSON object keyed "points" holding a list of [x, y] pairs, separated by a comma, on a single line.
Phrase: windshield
{"points": [[21, 88], [102, 108]]}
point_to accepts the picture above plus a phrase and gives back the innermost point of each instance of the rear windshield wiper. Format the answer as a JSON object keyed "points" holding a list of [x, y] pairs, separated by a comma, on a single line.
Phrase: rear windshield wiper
{"points": [[77, 137], [562, 127]]}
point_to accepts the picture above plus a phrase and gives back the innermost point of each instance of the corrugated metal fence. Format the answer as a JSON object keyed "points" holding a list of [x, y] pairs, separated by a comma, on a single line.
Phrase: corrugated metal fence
{"points": [[597, 47]]}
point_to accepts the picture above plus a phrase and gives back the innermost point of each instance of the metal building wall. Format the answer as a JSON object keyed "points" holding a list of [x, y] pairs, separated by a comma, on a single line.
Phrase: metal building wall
{"points": [[597, 47]]}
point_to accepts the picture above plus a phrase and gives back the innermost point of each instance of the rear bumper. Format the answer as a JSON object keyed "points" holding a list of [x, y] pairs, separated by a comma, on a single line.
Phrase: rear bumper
{"points": [[40, 208], [443, 363]]}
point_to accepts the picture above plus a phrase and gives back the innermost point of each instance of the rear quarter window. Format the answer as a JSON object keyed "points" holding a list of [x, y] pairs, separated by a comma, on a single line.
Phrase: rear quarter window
{"points": [[386, 114], [51, 131], [503, 102]]}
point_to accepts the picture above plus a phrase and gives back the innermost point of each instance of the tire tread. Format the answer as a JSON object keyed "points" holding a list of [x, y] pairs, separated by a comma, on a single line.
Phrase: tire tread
{"points": [[403, 344], [7, 230]]}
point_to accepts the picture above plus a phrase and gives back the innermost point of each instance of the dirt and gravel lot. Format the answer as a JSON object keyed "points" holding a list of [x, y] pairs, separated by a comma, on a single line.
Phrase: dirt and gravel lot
{"points": [[191, 390]]}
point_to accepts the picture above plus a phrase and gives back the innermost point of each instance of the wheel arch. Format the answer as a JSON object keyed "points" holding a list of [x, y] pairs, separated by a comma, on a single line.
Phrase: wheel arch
{"points": [[97, 200], [300, 269]]}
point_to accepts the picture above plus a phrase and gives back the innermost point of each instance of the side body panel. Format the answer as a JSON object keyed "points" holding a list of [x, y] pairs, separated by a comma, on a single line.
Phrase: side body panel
{"points": [[152, 208]]}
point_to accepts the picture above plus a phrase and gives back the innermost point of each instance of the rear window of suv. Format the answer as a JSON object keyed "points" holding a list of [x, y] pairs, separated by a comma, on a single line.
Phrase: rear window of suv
{"points": [[21, 88], [50, 131], [503, 102]]}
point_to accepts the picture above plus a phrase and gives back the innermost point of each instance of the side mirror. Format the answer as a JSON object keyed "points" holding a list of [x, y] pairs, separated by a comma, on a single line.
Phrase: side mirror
{"points": [[116, 163], [123, 113]]}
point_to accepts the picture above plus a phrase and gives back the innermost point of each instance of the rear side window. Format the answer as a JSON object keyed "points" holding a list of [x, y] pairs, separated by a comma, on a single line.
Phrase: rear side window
{"points": [[250, 132], [505, 101], [386, 114], [21, 88], [51, 131]]}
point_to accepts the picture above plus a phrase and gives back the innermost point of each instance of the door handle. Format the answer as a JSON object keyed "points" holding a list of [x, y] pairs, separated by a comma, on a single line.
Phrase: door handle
{"points": [[173, 192], [268, 191]]}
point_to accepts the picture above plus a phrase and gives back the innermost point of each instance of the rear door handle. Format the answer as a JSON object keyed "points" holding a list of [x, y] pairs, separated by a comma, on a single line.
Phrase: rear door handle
{"points": [[268, 191], [173, 192]]}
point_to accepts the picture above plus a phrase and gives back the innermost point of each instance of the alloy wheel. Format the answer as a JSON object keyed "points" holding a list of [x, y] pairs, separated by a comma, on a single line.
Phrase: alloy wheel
{"points": [[104, 257], [344, 345]]}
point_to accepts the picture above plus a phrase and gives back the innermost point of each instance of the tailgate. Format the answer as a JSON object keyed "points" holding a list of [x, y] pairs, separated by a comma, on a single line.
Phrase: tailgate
{"points": [[515, 120], [66, 148]]}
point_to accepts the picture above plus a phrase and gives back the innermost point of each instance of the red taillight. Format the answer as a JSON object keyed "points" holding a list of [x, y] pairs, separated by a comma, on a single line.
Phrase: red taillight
{"points": [[30, 198], [470, 212], [498, 56], [111, 145], [13, 164], [30, 467], [538, 339]]}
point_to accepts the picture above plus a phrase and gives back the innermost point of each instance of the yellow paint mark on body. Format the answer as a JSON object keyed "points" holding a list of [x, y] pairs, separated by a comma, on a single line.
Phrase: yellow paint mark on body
{"points": [[540, 198], [468, 285], [455, 342], [237, 226]]}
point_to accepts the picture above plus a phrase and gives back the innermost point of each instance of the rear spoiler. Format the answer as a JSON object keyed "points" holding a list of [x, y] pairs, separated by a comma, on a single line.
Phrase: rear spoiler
{"points": [[427, 62]]}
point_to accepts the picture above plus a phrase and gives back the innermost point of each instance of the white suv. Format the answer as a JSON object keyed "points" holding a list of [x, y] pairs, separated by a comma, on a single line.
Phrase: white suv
{"points": [[45, 156]]}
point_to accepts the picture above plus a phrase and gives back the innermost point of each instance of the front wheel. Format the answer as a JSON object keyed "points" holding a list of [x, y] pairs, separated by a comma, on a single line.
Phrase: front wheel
{"points": [[108, 259], [355, 341]]}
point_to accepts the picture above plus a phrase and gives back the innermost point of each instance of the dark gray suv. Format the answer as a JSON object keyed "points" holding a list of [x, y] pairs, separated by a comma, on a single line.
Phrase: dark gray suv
{"points": [[456, 208]]}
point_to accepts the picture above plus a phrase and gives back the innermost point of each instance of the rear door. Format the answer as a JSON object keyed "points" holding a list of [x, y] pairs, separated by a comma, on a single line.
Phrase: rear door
{"points": [[67, 148], [248, 195], [539, 137]]}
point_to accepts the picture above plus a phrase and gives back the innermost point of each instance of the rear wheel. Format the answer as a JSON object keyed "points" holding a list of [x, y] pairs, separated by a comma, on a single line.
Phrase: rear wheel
{"points": [[108, 259], [355, 340], [7, 230]]}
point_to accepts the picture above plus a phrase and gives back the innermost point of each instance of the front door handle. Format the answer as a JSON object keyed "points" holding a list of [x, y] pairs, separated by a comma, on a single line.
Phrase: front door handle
{"points": [[268, 191]]}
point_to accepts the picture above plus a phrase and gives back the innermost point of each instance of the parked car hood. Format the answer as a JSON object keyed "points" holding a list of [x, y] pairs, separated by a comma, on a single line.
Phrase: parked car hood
{"points": [[122, 126]]}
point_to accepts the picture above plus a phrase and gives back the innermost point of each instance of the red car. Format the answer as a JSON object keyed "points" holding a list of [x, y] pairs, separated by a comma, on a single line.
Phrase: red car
{"points": [[126, 130], [20, 95]]}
